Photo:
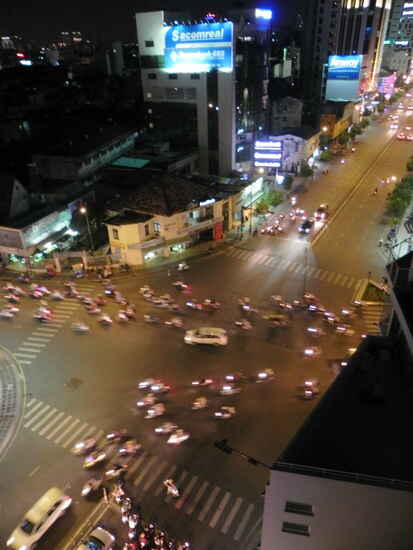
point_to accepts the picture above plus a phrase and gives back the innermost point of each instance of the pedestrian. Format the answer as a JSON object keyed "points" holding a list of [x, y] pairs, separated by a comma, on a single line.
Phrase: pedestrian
{"points": [[376, 190], [380, 242]]}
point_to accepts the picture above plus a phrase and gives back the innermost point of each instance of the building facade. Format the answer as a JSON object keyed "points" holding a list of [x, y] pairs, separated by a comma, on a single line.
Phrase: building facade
{"points": [[204, 79]]}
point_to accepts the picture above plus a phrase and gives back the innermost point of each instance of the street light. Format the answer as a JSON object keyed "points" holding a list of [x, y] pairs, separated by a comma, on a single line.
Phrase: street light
{"points": [[83, 210], [324, 128]]}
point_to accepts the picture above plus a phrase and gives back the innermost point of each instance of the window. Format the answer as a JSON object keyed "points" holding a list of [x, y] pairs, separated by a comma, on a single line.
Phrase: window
{"points": [[195, 76], [149, 44], [173, 76], [115, 233], [157, 227], [299, 508], [296, 528], [152, 76], [146, 229]]}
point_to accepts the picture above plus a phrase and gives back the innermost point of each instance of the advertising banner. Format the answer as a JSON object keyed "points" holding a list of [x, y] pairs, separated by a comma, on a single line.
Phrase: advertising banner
{"points": [[268, 153], [199, 48], [343, 77]]}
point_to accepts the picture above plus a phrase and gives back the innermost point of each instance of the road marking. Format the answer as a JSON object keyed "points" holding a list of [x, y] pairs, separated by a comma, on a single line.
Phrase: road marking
{"points": [[36, 416], [197, 498], [34, 471], [155, 475], [75, 434], [29, 350], [231, 515], [310, 270], [181, 501], [331, 276], [30, 403], [219, 510], [67, 430], [350, 283], [51, 330], [292, 267], [37, 344], [169, 474], [52, 423], [136, 464], [269, 261], [317, 273], [62, 316], [337, 278], [344, 280], [38, 339], [244, 254], [25, 362], [25, 355], [43, 420], [284, 264], [39, 404], [47, 337], [243, 522], [59, 427], [323, 275], [208, 503], [145, 469]]}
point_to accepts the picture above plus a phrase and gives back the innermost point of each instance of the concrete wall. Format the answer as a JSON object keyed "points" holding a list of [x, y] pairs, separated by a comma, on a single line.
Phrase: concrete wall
{"points": [[345, 515]]}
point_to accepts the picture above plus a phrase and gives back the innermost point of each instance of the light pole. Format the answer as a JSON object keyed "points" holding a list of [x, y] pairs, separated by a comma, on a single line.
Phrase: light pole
{"points": [[83, 210]]}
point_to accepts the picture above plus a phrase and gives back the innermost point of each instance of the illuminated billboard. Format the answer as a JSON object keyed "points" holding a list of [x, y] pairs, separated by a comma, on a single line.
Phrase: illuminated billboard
{"points": [[343, 77], [407, 9], [199, 48], [268, 153]]}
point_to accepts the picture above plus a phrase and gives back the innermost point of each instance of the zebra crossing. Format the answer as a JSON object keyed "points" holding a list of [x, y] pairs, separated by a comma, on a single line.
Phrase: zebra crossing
{"points": [[283, 264], [202, 500], [373, 315], [38, 340]]}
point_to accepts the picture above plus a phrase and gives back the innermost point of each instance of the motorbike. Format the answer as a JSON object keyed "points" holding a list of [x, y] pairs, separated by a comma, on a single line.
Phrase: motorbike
{"points": [[17, 291], [229, 389], [211, 303], [130, 447], [177, 437], [310, 298], [244, 324], [100, 301], [199, 403], [155, 411], [58, 296], [151, 319], [315, 332], [6, 314], [316, 309], [80, 327], [225, 413], [166, 428], [180, 285], [312, 352], [91, 486], [264, 375], [116, 435], [115, 471], [147, 401], [12, 298], [42, 317], [174, 322], [202, 382], [171, 488], [83, 447], [23, 278], [183, 266], [105, 320], [122, 317], [194, 305], [93, 310], [146, 290]]}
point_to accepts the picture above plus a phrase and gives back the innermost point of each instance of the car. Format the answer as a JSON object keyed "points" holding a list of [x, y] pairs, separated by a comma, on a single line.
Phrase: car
{"points": [[99, 539], [401, 136], [207, 335], [321, 213], [306, 226], [409, 137], [39, 519]]}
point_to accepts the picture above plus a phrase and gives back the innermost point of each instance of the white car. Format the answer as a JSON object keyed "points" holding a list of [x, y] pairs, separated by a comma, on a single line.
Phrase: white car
{"points": [[207, 335], [39, 519], [99, 539]]}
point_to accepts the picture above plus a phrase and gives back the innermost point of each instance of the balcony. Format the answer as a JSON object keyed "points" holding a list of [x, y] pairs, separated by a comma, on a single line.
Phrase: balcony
{"points": [[149, 242], [199, 223]]}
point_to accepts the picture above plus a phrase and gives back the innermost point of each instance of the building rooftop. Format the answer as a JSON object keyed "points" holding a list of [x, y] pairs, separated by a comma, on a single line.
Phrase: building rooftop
{"points": [[360, 428], [129, 217], [147, 155], [304, 132]]}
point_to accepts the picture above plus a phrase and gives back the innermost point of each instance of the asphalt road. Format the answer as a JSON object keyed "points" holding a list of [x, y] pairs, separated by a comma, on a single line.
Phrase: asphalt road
{"points": [[87, 384]]}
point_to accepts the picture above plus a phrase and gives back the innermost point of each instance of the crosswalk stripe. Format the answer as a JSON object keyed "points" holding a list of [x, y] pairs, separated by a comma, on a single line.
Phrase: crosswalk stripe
{"points": [[231, 252], [51, 330], [59, 427], [243, 522], [57, 324], [179, 482], [330, 277], [310, 270], [25, 355], [136, 464], [197, 498], [90, 431], [323, 275], [66, 431], [37, 344], [43, 420], [36, 416], [51, 423], [67, 305], [168, 475], [62, 316], [208, 503], [269, 261], [46, 337], [77, 433], [300, 268], [38, 338], [25, 362], [39, 404], [292, 266], [317, 273], [344, 280], [337, 279], [350, 283], [145, 469], [155, 475], [29, 350], [260, 258], [284, 264], [219, 510], [31, 402], [231, 515], [181, 501]]}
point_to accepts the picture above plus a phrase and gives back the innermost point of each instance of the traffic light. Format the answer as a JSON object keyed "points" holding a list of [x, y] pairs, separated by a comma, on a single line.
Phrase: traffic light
{"points": [[223, 446]]}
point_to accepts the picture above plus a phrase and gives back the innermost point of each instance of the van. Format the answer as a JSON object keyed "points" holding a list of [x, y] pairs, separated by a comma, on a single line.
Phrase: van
{"points": [[39, 519]]}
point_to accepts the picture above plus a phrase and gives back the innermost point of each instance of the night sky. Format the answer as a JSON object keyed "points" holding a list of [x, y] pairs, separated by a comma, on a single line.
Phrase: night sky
{"points": [[44, 19]]}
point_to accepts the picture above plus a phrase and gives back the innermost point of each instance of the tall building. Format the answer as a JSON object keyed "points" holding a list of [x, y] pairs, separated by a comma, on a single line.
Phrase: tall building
{"points": [[401, 22], [204, 80], [340, 27]]}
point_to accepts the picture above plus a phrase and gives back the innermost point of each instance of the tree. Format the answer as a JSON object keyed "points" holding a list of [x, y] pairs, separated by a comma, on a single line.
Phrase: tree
{"points": [[344, 138], [325, 156], [274, 198], [380, 107], [324, 140], [287, 182], [364, 123], [409, 165], [306, 171]]}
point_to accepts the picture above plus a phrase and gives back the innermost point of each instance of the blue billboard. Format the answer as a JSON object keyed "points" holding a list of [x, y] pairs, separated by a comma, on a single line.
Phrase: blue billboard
{"points": [[199, 48], [343, 77]]}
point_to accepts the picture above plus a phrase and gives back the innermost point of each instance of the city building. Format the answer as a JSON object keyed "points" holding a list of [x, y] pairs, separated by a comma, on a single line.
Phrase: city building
{"points": [[204, 79], [340, 28], [338, 117], [286, 113], [299, 145], [345, 479], [400, 29], [396, 59], [165, 214]]}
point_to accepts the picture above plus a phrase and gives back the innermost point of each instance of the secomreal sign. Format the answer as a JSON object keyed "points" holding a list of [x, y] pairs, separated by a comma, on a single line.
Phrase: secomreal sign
{"points": [[199, 48], [343, 77]]}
